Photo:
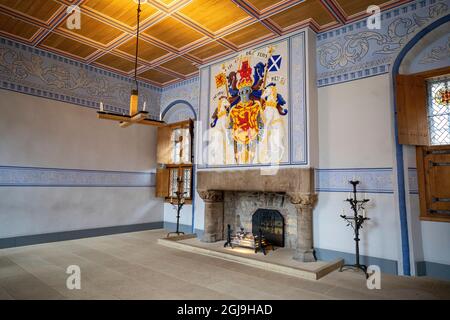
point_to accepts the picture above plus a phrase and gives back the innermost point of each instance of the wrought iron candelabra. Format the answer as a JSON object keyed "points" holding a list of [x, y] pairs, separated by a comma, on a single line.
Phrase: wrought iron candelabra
{"points": [[356, 221], [178, 205]]}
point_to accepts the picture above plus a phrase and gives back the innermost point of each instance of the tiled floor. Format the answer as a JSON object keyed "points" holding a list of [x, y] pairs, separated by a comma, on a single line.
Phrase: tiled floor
{"points": [[134, 266]]}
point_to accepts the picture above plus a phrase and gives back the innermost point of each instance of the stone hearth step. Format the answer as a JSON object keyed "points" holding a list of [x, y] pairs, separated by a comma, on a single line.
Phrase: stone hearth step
{"points": [[279, 260]]}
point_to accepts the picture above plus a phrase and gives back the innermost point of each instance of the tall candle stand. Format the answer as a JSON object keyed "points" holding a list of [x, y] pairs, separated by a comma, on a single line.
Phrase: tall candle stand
{"points": [[178, 205], [356, 221]]}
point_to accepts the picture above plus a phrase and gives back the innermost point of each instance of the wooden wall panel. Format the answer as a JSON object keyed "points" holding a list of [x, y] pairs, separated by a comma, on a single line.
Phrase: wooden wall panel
{"points": [[433, 170]]}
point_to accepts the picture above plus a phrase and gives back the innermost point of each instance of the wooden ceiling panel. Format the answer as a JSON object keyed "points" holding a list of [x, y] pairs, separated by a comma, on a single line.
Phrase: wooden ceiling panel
{"points": [[123, 11], [173, 32], [261, 5], [18, 28], [147, 51], [94, 30], [209, 50], [42, 10], [352, 7], [199, 30], [166, 2], [115, 62], [214, 14], [157, 76], [180, 65], [303, 11], [253, 32], [66, 45]]}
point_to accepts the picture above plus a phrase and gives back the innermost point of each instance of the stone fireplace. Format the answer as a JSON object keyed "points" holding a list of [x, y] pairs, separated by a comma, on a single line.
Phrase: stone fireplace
{"points": [[234, 196]]}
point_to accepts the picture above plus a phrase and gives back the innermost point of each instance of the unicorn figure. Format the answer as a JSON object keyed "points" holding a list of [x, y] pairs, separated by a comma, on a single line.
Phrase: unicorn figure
{"points": [[219, 144], [273, 123]]}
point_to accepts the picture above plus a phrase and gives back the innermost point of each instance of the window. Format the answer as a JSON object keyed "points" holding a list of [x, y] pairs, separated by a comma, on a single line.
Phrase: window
{"points": [[185, 172], [181, 142], [439, 111], [174, 155], [423, 117]]}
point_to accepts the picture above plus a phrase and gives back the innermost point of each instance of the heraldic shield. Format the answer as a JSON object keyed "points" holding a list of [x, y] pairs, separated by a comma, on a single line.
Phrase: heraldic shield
{"points": [[248, 113]]}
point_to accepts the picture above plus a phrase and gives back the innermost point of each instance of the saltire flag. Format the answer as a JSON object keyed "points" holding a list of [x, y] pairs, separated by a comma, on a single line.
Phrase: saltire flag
{"points": [[274, 63], [221, 80]]}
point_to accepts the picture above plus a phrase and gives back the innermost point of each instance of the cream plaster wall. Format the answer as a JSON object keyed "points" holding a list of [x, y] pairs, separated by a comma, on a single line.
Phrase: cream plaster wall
{"points": [[356, 131], [38, 132], [356, 124]]}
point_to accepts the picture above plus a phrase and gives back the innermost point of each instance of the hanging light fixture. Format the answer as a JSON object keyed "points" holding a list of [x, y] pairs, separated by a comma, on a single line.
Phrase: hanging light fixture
{"points": [[135, 115], [134, 93]]}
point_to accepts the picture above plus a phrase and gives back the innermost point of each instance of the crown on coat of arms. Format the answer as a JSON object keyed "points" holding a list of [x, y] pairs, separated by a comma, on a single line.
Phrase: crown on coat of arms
{"points": [[245, 73]]}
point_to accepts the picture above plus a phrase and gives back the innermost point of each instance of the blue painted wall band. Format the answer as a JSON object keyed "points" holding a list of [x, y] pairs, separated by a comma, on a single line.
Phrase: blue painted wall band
{"points": [[17, 176]]}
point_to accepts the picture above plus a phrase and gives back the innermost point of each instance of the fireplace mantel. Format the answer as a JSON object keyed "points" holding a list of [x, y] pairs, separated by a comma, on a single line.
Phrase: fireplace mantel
{"points": [[288, 180], [296, 183]]}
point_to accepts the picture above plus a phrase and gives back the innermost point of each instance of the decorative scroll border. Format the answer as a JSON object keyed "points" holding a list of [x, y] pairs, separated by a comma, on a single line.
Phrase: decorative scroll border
{"points": [[354, 52], [41, 73]]}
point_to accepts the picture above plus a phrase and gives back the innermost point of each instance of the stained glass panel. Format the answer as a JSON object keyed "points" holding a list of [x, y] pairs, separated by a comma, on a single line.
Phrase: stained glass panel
{"points": [[439, 111]]}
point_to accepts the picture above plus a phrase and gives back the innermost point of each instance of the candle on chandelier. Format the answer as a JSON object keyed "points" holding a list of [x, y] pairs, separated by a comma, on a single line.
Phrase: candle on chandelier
{"points": [[364, 213], [101, 106], [144, 106]]}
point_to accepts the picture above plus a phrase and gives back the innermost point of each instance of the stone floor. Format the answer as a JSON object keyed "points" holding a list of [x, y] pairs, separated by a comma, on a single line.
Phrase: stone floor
{"points": [[134, 266]]}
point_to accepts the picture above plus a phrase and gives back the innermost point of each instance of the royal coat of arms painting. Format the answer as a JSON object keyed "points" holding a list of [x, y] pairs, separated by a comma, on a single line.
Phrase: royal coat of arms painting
{"points": [[249, 107]]}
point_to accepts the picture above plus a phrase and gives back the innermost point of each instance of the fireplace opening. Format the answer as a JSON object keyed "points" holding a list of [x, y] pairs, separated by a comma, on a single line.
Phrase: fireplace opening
{"points": [[271, 223]]}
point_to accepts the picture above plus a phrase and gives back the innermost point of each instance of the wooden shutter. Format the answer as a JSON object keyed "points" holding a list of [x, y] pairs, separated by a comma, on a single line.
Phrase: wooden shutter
{"points": [[433, 171], [162, 182], [412, 118], [164, 146]]}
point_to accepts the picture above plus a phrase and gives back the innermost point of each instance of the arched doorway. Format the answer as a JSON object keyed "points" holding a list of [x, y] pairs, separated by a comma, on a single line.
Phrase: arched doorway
{"points": [[405, 226]]}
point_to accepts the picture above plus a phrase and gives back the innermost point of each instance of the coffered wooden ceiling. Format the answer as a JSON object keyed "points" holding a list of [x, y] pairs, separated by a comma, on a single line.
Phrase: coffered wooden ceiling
{"points": [[177, 36]]}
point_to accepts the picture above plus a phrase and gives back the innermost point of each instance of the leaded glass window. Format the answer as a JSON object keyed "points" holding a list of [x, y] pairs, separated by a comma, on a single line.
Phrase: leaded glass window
{"points": [[185, 173], [181, 140], [173, 182], [439, 111], [187, 182]]}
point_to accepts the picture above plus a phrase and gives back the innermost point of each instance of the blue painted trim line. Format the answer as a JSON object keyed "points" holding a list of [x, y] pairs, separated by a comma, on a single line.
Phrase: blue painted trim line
{"points": [[17, 176], [386, 265], [76, 234], [433, 270], [172, 226], [399, 147]]}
